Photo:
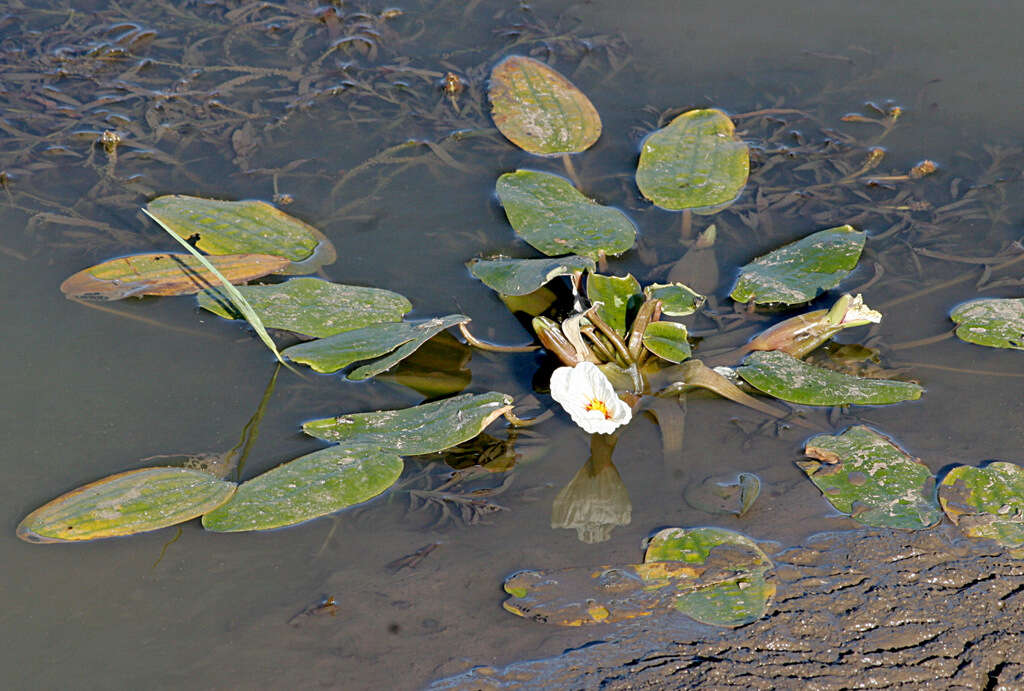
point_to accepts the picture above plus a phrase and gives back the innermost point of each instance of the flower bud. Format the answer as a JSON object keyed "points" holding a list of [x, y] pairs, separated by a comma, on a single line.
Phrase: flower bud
{"points": [[800, 335], [551, 337]]}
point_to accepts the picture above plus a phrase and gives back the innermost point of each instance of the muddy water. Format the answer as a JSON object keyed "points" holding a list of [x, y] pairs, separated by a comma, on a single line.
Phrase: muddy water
{"points": [[90, 393]]}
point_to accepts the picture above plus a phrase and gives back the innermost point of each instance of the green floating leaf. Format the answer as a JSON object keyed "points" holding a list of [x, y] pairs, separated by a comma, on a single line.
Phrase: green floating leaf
{"points": [[554, 217], [425, 428], [519, 277], [245, 227], [695, 162], [312, 306], [732, 589], [165, 274], [801, 270], [310, 486], [127, 503], [667, 340], [677, 299], [580, 596], [987, 502], [539, 110], [619, 296], [783, 376], [440, 368], [998, 323], [341, 350], [424, 332], [866, 475]]}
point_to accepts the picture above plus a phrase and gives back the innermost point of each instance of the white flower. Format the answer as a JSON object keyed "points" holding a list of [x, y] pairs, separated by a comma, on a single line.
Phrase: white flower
{"points": [[588, 397], [859, 314]]}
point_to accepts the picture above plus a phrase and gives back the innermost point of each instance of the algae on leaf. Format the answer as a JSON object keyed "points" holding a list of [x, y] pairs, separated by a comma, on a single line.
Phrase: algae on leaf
{"points": [[539, 110], [801, 270], [422, 429], [783, 376], [133, 502], [313, 306], [554, 217], [864, 474], [244, 227], [695, 162], [987, 502], [313, 485], [731, 588], [998, 323]]}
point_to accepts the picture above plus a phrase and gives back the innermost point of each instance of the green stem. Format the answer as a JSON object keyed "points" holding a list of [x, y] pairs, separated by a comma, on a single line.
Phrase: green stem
{"points": [[493, 347]]}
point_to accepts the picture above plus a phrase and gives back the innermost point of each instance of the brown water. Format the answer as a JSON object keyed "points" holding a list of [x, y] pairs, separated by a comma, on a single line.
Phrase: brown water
{"points": [[91, 393]]}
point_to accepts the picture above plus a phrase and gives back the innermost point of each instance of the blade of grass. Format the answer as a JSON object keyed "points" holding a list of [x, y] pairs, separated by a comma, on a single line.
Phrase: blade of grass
{"points": [[237, 299]]}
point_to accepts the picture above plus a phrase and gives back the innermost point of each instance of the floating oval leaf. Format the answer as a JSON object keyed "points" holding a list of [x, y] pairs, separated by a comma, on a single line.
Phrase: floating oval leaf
{"points": [[677, 300], [732, 589], [580, 596], [539, 110], [998, 323], [694, 162], [244, 227], [667, 340], [165, 274], [523, 276], [553, 216], [619, 296], [867, 476], [313, 485], [987, 502], [312, 306], [801, 270], [783, 376], [127, 503], [424, 332], [425, 428]]}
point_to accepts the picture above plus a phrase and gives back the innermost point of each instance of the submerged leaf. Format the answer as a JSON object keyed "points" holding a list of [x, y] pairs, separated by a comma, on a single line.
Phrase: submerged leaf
{"points": [[309, 486], [539, 110], [165, 274], [667, 340], [695, 162], [798, 271], [998, 323], [732, 589], [127, 503], [866, 475], [244, 227], [554, 217], [783, 376], [987, 502], [523, 276], [733, 494], [583, 595], [425, 428], [677, 300], [620, 296], [313, 307]]}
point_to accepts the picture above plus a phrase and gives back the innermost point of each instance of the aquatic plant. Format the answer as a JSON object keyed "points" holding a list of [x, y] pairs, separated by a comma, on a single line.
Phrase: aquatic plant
{"points": [[622, 345]]}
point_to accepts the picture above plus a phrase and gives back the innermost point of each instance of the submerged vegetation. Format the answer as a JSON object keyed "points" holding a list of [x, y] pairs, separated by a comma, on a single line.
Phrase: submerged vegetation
{"points": [[620, 344]]}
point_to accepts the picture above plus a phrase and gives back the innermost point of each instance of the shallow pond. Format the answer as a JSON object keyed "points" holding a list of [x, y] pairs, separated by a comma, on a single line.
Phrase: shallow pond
{"points": [[234, 100]]}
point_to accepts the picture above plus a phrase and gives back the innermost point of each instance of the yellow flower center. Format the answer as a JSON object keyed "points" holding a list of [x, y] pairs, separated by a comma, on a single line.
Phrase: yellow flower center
{"points": [[600, 406]]}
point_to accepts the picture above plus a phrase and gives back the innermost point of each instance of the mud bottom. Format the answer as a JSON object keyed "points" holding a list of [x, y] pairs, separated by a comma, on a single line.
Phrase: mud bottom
{"points": [[854, 610]]}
